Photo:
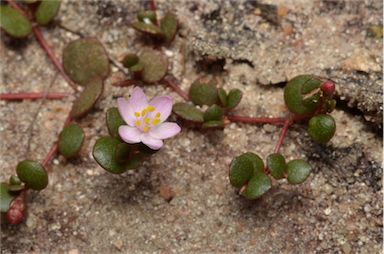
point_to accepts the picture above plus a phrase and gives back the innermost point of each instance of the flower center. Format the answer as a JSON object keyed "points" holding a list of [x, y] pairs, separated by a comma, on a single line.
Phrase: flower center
{"points": [[145, 119]]}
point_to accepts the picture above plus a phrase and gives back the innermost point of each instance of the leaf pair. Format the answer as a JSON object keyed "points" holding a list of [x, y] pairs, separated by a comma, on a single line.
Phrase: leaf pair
{"points": [[248, 173], [17, 25], [150, 66], [147, 24], [114, 155], [86, 62]]}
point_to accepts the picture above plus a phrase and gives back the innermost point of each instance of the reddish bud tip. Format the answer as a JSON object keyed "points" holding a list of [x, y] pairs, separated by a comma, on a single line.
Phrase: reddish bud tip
{"points": [[14, 216], [328, 88]]}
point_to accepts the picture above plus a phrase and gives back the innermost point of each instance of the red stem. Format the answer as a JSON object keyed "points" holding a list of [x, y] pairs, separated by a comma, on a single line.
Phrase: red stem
{"points": [[32, 96], [43, 43], [245, 119], [173, 84], [283, 132]]}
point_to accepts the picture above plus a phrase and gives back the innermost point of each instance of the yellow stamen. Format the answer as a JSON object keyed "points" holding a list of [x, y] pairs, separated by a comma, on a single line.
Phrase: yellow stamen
{"points": [[155, 122], [138, 123], [144, 112], [137, 114], [158, 115], [146, 129], [150, 109], [146, 120]]}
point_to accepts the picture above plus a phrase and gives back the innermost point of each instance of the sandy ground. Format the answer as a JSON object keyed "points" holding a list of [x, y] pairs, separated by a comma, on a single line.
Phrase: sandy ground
{"points": [[247, 46]]}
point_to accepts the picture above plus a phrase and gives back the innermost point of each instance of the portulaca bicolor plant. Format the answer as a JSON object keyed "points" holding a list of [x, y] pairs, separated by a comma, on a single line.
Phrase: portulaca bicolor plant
{"points": [[145, 121]]}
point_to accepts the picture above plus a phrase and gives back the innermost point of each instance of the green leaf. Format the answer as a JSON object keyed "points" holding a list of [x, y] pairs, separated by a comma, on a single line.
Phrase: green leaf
{"points": [[87, 98], [46, 11], [13, 22], [257, 162], [150, 15], [241, 170], [5, 197], [130, 60], [14, 180], [213, 124], [33, 174], [85, 59], [106, 155], [234, 98], [301, 94], [122, 152], [15, 188], [169, 26], [222, 96], [188, 112], [321, 128], [149, 29], [298, 171], [203, 93], [114, 121], [277, 165], [257, 186], [70, 140], [213, 113], [137, 68], [155, 65]]}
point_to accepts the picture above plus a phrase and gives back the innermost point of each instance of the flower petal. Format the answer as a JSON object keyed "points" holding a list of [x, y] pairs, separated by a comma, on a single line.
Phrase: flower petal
{"points": [[126, 111], [130, 134], [151, 142], [138, 100], [165, 130], [163, 105]]}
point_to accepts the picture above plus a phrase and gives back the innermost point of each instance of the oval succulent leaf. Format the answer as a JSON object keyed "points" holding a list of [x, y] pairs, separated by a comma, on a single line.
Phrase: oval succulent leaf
{"points": [[114, 121], [149, 29], [213, 113], [46, 11], [240, 170], [298, 171], [257, 162], [130, 60], [85, 59], [302, 93], [33, 174], [277, 165], [70, 140], [6, 197], [169, 26], [14, 23], [155, 65], [203, 93], [188, 112], [105, 155], [14, 180], [150, 15], [87, 98], [234, 98], [321, 128], [222, 96], [257, 186]]}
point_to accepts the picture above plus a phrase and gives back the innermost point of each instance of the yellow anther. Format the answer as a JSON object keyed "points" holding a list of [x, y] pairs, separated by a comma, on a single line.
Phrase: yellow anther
{"points": [[138, 123], [146, 120], [158, 115], [144, 112], [137, 114], [155, 122], [146, 129], [150, 109]]}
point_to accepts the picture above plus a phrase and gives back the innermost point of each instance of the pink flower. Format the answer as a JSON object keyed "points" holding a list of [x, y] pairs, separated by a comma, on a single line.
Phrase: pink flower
{"points": [[146, 120]]}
